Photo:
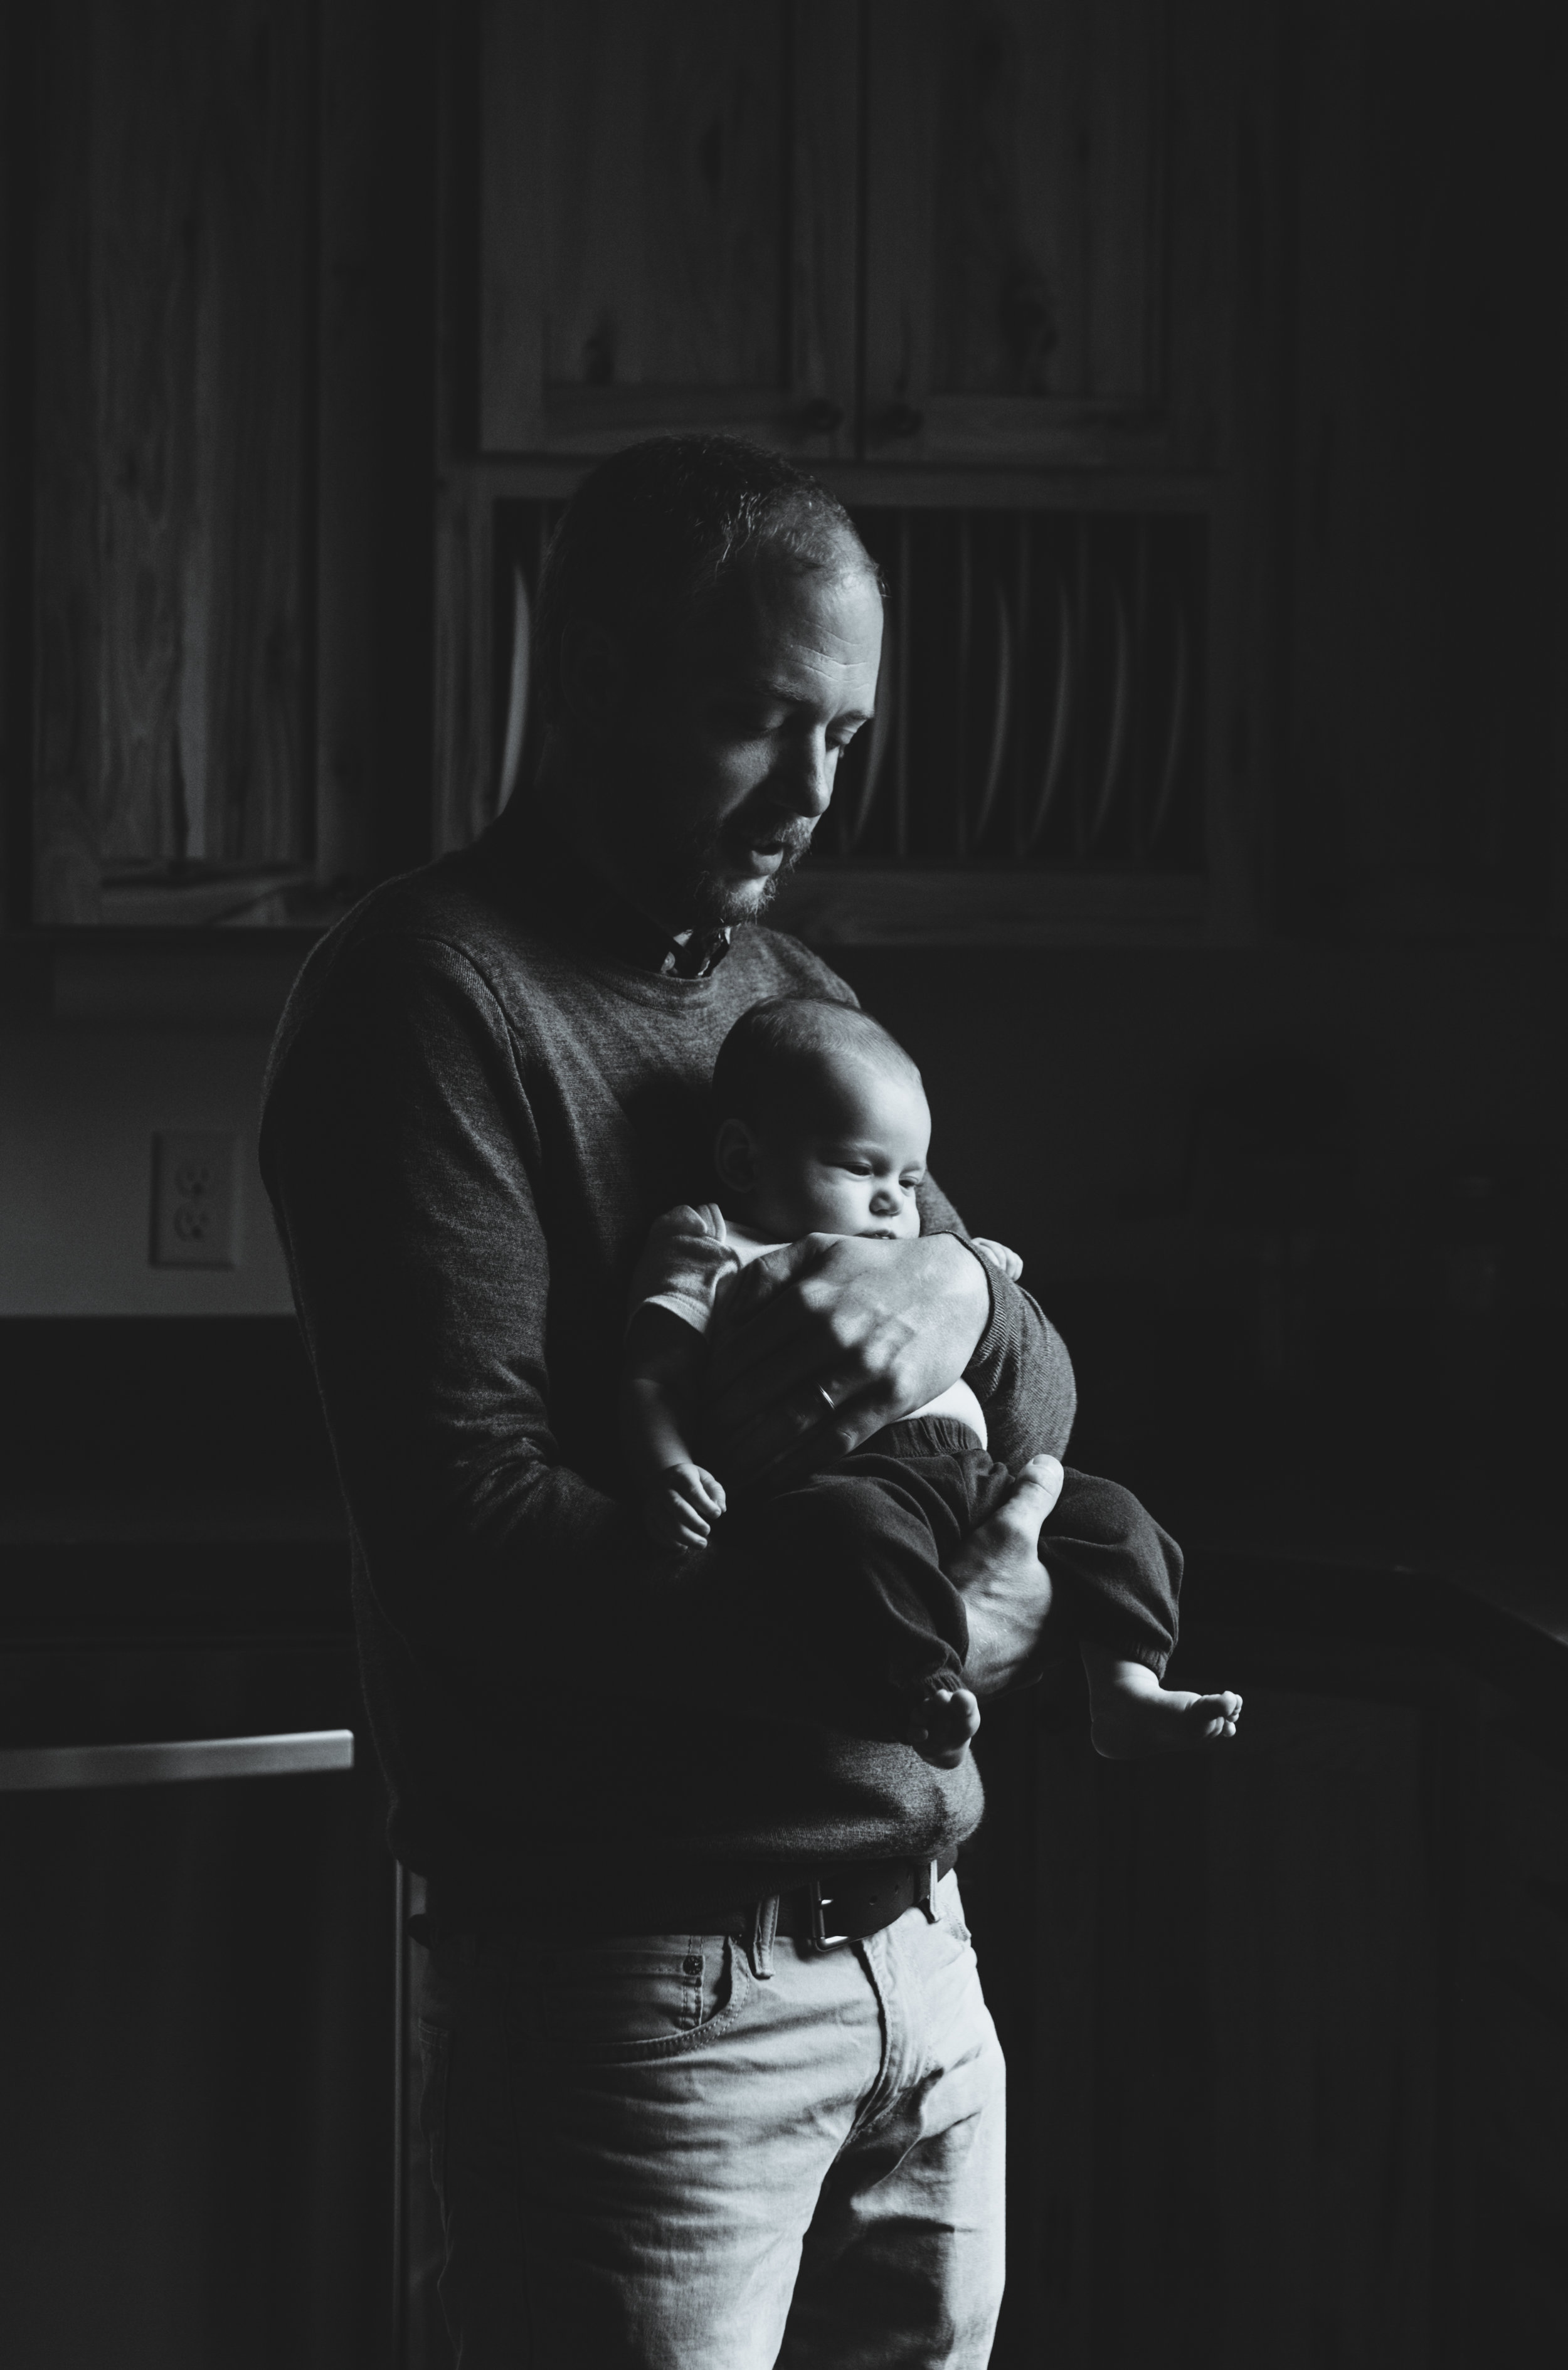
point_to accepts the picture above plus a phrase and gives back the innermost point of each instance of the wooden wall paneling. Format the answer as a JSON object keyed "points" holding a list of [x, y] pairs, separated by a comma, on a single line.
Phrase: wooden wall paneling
{"points": [[515, 105], [174, 352], [19, 131], [823, 228], [1520, 1921], [1051, 2258], [466, 758], [66, 872], [668, 225], [1268, 2054], [1015, 231], [1425, 561], [345, 451], [1227, 359], [1323, 779], [254, 362]]}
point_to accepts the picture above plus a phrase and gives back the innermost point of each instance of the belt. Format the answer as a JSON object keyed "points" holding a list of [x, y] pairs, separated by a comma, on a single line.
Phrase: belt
{"points": [[844, 1905], [833, 1905]]}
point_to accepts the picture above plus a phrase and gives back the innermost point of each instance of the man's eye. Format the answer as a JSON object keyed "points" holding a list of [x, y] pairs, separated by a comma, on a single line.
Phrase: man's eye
{"points": [[748, 723]]}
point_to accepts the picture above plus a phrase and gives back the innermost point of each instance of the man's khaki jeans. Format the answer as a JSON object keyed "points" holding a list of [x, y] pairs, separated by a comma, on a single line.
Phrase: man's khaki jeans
{"points": [[650, 2157]]}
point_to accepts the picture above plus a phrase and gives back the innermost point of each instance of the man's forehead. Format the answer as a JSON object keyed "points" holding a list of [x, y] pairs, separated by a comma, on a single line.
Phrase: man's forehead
{"points": [[765, 627]]}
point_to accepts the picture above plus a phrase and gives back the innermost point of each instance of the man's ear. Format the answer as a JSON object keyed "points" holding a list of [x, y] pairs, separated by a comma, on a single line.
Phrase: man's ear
{"points": [[734, 1155], [591, 674]]}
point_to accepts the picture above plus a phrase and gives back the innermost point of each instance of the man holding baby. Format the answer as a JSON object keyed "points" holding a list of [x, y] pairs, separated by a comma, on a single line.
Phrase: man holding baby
{"points": [[709, 2077]]}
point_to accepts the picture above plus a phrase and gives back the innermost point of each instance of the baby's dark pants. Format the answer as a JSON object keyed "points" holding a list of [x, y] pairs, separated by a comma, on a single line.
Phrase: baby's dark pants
{"points": [[865, 1539]]}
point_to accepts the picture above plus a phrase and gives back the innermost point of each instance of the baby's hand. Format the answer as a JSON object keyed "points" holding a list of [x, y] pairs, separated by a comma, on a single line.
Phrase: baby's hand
{"points": [[999, 1255], [682, 1507]]}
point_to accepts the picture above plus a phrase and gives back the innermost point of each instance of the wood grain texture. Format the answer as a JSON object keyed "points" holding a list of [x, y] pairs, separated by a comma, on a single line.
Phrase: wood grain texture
{"points": [[173, 354], [345, 504], [669, 225], [464, 799], [1233, 2042], [1016, 238]]}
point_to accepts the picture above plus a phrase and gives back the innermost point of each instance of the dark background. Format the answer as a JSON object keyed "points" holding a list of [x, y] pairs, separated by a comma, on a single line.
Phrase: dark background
{"points": [[1272, 1111]]}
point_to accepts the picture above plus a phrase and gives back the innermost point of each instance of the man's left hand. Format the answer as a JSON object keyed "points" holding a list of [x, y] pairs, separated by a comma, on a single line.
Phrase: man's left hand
{"points": [[818, 1345]]}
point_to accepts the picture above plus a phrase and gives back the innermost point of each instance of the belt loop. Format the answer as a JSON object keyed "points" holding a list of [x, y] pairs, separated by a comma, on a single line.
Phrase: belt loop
{"points": [[760, 1941]]}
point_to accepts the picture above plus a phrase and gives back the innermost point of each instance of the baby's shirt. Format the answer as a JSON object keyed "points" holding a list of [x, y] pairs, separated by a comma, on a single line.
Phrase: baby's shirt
{"points": [[690, 1256]]}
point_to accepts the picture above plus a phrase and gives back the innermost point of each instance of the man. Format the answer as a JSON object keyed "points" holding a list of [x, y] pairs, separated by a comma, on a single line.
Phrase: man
{"points": [[668, 2124]]}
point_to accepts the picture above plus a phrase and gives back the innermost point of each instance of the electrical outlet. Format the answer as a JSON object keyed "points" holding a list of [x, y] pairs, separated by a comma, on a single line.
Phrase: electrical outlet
{"points": [[195, 1187]]}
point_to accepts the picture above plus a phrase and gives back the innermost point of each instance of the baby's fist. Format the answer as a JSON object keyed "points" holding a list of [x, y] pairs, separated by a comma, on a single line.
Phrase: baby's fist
{"points": [[999, 1255], [682, 1507]]}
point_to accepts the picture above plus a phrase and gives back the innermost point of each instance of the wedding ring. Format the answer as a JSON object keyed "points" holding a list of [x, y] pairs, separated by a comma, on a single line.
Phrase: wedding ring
{"points": [[827, 1399]]}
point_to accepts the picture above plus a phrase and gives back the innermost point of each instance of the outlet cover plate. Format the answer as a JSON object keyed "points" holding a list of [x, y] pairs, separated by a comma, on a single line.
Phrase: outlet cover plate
{"points": [[195, 1196]]}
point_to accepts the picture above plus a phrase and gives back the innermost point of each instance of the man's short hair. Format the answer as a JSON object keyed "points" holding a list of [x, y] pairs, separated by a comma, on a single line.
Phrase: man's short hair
{"points": [[779, 1051], [653, 532]]}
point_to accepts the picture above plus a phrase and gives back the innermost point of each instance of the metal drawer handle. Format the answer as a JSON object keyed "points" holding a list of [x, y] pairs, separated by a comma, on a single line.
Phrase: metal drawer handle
{"points": [[49, 1768]]}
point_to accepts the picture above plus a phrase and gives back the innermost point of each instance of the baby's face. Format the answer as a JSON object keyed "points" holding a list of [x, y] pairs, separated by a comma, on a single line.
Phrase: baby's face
{"points": [[846, 1163]]}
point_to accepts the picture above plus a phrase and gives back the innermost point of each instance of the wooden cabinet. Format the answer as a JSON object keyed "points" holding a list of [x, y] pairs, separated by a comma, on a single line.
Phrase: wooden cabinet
{"points": [[1030, 188], [918, 230], [218, 323], [172, 530], [1289, 2026], [669, 218]]}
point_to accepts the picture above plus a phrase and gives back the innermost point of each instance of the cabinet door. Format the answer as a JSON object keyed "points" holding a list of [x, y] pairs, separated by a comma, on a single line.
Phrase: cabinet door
{"points": [[1020, 229], [669, 223], [173, 288]]}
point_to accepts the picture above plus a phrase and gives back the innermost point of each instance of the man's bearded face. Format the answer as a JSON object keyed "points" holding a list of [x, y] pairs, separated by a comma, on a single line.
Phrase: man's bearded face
{"points": [[723, 760]]}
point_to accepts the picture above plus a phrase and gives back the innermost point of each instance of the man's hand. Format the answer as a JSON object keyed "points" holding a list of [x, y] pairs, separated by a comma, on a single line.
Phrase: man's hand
{"points": [[818, 1345], [682, 1506], [1005, 1588]]}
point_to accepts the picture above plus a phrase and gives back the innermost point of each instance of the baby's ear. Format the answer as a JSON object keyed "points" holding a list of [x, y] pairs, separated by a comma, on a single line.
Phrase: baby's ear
{"points": [[734, 1155]]}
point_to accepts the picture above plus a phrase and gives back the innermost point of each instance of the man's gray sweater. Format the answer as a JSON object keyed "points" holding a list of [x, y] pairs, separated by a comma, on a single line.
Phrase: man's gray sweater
{"points": [[473, 1114]]}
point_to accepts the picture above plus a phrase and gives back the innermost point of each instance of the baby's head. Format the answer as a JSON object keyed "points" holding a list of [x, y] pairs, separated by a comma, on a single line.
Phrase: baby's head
{"points": [[823, 1123]]}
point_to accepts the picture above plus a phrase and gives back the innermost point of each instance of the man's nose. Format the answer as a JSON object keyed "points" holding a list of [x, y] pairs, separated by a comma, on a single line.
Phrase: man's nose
{"points": [[808, 783]]}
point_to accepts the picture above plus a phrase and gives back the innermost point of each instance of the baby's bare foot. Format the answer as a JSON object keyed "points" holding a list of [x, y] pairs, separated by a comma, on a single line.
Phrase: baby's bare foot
{"points": [[1131, 1714], [951, 1717]]}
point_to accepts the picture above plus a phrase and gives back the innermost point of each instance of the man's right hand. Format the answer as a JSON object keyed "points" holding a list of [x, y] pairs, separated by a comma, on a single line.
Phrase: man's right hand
{"points": [[1005, 1588]]}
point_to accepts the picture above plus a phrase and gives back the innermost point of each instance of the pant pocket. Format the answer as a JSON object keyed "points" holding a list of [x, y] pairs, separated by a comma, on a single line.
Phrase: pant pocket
{"points": [[612, 2001], [436, 2054]]}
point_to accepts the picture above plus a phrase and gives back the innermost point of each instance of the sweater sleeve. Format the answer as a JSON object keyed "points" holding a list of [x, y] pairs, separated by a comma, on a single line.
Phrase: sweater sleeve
{"points": [[1021, 1372], [400, 1156]]}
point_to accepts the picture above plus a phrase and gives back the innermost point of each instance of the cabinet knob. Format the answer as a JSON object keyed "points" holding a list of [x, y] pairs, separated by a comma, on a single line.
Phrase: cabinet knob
{"points": [[899, 419], [821, 417]]}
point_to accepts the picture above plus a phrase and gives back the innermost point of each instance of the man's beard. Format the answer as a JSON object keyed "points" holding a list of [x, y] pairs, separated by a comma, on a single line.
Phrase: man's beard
{"points": [[714, 902], [675, 869]]}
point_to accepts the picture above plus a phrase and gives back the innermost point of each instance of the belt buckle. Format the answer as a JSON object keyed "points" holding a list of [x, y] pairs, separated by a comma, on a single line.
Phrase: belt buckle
{"points": [[821, 1938], [928, 1901]]}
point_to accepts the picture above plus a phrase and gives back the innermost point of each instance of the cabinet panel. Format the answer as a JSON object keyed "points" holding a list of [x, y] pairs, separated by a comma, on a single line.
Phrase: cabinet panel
{"points": [[173, 309], [1016, 230], [197, 1996], [1222, 1998], [668, 224]]}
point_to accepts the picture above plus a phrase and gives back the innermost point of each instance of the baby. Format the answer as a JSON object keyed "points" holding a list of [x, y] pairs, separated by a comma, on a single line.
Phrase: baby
{"points": [[823, 1128]]}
